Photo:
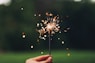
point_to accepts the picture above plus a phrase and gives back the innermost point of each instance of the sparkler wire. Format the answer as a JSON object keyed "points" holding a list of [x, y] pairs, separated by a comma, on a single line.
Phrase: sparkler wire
{"points": [[49, 44]]}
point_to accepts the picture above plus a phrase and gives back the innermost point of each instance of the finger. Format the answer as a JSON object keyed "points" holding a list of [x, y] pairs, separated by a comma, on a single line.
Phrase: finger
{"points": [[48, 60], [41, 58]]}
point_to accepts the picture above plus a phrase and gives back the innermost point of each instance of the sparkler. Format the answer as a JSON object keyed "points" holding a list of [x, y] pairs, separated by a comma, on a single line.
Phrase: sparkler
{"points": [[48, 27]]}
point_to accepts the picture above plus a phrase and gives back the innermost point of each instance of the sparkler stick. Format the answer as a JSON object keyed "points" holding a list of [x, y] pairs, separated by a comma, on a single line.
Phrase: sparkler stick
{"points": [[50, 43]]}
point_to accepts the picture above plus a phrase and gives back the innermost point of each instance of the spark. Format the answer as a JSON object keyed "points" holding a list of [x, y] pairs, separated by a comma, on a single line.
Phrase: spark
{"points": [[59, 31], [39, 15], [35, 15], [45, 35], [65, 30], [38, 40], [22, 8], [32, 46], [23, 35], [38, 24], [58, 38], [62, 42], [50, 14], [68, 28], [47, 14]]}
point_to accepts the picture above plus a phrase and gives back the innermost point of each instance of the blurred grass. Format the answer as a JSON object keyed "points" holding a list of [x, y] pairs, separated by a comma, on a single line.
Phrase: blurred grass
{"points": [[59, 56]]}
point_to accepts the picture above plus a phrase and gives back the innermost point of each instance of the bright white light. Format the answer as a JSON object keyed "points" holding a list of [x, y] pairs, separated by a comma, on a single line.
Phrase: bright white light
{"points": [[22, 9], [42, 52], [49, 26], [5, 2], [62, 42], [77, 0], [23, 36], [32, 46], [93, 1]]}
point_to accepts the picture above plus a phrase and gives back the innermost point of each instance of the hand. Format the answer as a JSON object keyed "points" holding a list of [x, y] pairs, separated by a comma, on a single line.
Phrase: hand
{"points": [[40, 59]]}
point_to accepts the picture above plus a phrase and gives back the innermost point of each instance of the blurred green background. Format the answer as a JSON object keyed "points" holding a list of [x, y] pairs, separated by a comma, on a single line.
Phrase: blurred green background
{"points": [[17, 16]]}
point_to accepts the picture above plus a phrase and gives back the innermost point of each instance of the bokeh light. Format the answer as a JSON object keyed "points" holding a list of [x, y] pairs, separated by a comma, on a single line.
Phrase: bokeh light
{"points": [[77, 0], [5, 2], [93, 1]]}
